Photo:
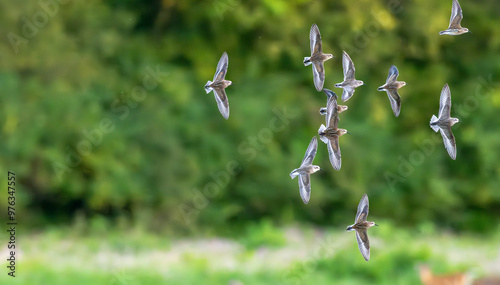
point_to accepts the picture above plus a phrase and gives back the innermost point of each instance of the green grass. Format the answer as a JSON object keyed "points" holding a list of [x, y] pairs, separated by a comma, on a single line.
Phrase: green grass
{"points": [[262, 234], [263, 254]]}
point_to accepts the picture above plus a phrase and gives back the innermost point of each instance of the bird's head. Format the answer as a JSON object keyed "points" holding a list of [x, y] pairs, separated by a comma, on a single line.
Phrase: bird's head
{"points": [[343, 132], [454, 121], [343, 108], [316, 168]]}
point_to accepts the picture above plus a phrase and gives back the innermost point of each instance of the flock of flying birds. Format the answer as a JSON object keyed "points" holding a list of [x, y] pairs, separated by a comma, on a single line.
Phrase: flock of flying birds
{"points": [[330, 133]]}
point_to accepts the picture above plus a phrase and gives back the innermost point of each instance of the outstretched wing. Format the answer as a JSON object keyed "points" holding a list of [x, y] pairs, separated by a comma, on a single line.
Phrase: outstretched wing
{"points": [[348, 67], [310, 152], [222, 102], [305, 187], [449, 141], [331, 117], [220, 72], [445, 103], [456, 15], [334, 152], [362, 212], [347, 93], [319, 75], [315, 40], [330, 94], [393, 74], [363, 243], [395, 100]]}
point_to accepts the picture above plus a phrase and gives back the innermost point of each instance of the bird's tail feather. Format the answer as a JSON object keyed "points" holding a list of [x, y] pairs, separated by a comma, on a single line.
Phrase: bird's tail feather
{"points": [[207, 87], [321, 133], [294, 173], [324, 139], [321, 129], [434, 119], [307, 61]]}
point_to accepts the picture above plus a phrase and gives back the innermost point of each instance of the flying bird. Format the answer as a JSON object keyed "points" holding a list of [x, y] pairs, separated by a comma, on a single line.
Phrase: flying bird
{"points": [[218, 86], [444, 122], [361, 225], [454, 29], [332, 96], [331, 133], [317, 58], [305, 170], [391, 86], [349, 83]]}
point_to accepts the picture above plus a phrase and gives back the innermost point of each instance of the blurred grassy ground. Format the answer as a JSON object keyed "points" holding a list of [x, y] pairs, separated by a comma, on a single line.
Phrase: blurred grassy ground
{"points": [[261, 255]]}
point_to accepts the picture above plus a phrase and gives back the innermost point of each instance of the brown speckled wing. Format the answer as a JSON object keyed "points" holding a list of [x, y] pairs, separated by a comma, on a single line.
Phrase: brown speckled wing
{"points": [[222, 102], [363, 208], [220, 72], [334, 152], [363, 243], [449, 141], [445, 103], [305, 187], [315, 40], [456, 15], [319, 75], [395, 100], [310, 152]]}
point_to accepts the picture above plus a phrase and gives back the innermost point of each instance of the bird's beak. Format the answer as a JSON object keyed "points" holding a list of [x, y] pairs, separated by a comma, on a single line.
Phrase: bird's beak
{"points": [[376, 225], [363, 84], [348, 132], [321, 169], [469, 32]]}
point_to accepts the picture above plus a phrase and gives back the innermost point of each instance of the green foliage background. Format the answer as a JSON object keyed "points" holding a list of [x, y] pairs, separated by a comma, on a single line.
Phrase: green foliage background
{"points": [[82, 67]]}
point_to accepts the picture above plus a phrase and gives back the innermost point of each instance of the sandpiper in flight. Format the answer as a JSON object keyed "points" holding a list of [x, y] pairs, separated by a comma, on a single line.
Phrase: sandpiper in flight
{"points": [[444, 122], [391, 86], [349, 81], [317, 58], [361, 225], [332, 96], [331, 133], [305, 170], [454, 29], [219, 84]]}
